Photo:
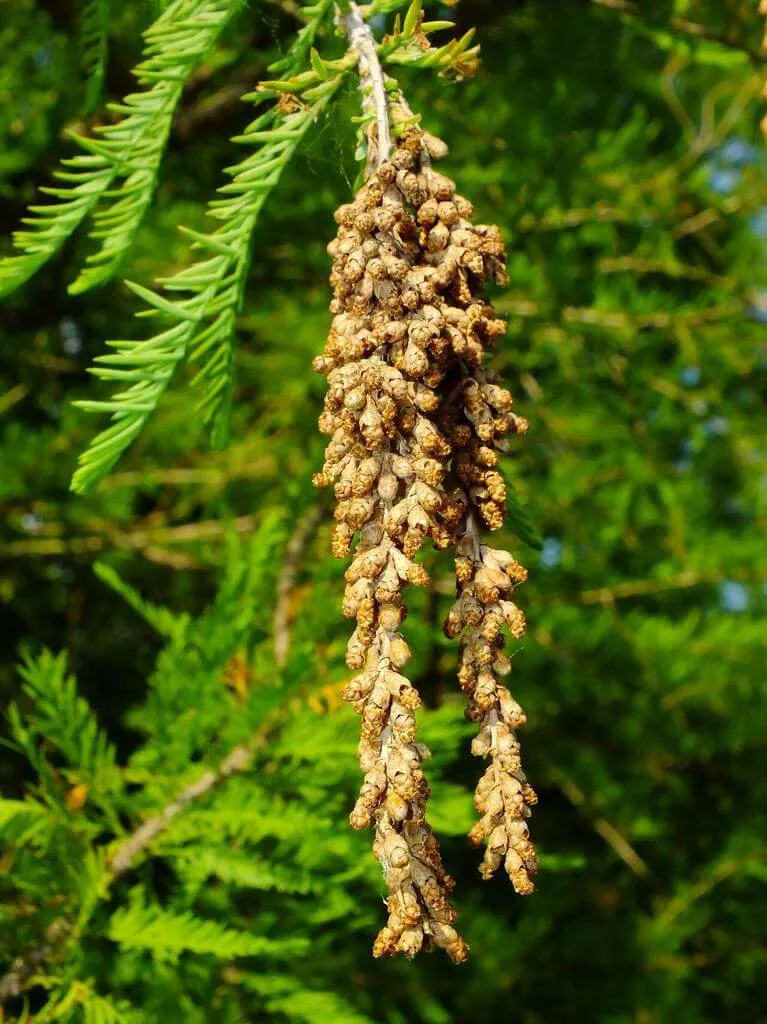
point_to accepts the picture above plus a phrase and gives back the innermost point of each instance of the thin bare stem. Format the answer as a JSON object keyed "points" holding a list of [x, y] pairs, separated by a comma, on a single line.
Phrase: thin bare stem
{"points": [[238, 760], [283, 622], [12, 983], [684, 27], [146, 539], [372, 80], [643, 588], [611, 835]]}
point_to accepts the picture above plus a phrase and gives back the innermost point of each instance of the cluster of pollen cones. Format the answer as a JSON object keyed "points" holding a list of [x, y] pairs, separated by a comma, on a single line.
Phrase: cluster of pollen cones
{"points": [[416, 425]]}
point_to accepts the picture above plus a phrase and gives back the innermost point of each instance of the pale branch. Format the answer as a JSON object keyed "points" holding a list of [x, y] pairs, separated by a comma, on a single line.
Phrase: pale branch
{"points": [[238, 760], [721, 871], [644, 588], [139, 539], [130, 849], [611, 835], [10, 398], [212, 472], [13, 983], [294, 549], [372, 79], [651, 321], [660, 320], [682, 26]]}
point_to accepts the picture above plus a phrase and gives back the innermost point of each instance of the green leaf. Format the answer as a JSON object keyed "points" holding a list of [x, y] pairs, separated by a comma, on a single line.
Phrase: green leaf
{"points": [[411, 18], [243, 871], [94, 21], [64, 719], [129, 151], [302, 1004], [319, 66], [99, 1010], [160, 619], [25, 822], [167, 934], [205, 321]]}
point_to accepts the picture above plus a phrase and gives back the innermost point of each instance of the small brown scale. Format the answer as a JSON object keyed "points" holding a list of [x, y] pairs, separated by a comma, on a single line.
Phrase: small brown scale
{"points": [[416, 426]]}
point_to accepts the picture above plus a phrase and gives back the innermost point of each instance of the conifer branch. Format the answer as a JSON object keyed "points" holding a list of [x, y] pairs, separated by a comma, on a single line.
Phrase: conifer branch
{"points": [[372, 80], [203, 322], [93, 34], [131, 149], [238, 760], [172, 56], [685, 27], [128, 850], [293, 553]]}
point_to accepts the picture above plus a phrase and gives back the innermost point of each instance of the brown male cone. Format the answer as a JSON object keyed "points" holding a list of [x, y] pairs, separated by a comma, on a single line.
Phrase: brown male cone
{"points": [[485, 582], [408, 333]]}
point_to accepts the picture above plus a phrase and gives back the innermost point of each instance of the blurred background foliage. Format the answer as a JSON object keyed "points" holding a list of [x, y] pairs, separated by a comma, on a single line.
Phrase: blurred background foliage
{"points": [[623, 161]]}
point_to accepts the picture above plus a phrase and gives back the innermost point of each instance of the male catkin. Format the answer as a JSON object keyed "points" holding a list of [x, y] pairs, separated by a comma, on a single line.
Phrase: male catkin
{"points": [[416, 426]]}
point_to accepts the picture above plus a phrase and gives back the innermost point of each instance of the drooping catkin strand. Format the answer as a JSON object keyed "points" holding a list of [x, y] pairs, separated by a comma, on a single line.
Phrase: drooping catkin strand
{"points": [[415, 425], [486, 579], [387, 461], [476, 418]]}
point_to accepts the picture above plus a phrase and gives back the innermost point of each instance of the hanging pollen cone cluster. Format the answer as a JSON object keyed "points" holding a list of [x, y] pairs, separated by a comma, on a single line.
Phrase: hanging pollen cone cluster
{"points": [[416, 425]]}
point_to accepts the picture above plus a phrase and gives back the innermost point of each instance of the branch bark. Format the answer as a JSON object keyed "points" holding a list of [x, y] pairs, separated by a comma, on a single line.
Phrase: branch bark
{"points": [[236, 761], [611, 835], [684, 27], [13, 983], [372, 81], [283, 620], [645, 588]]}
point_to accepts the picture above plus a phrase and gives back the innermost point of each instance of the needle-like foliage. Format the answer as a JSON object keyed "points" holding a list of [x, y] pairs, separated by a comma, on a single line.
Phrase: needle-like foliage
{"points": [[94, 28], [202, 323], [202, 320], [121, 162]]}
